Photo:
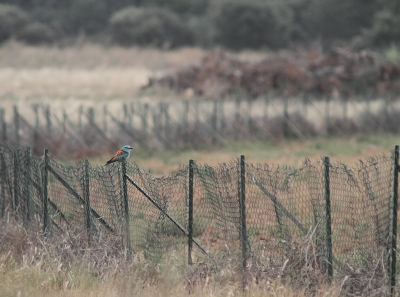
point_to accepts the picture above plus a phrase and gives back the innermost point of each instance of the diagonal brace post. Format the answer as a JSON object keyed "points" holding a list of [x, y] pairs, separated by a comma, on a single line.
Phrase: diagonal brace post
{"points": [[166, 214]]}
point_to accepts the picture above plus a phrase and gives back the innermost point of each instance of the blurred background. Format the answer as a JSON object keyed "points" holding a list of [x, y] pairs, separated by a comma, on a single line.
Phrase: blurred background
{"points": [[235, 25], [84, 77]]}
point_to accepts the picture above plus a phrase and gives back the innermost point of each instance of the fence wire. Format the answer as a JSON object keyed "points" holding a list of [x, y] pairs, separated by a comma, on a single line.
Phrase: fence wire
{"points": [[287, 210]]}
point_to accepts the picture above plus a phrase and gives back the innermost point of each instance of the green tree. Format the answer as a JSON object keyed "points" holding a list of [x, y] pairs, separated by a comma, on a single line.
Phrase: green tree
{"points": [[180, 6], [252, 24], [149, 26], [331, 20], [89, 15], [385, 27], [12, 19], [36, 33]]}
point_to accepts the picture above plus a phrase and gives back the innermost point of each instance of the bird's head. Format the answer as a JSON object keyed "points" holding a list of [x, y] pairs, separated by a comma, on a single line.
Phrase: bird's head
{"points": [[127, 148]]}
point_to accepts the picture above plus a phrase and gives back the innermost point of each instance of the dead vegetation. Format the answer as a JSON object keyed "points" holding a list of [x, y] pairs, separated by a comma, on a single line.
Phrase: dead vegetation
{"points": [[342, 72], [65, 265]]}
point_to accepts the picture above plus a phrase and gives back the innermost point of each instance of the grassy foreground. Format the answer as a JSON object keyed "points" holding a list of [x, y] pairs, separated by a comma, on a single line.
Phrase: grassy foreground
{"points": [[347, 150], [33, 266], [30, 266]]}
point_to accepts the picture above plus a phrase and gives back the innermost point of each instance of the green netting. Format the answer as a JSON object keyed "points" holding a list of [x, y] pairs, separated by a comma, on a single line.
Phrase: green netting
{"points": [[286, 209]]}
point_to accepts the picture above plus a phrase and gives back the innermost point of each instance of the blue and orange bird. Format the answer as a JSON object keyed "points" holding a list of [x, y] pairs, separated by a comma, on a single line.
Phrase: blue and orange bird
{"points": [[121, 154]]}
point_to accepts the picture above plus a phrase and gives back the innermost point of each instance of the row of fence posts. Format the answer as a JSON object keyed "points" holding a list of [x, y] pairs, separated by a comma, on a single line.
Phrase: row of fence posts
{"points": [[161, 118], [245, 243]]}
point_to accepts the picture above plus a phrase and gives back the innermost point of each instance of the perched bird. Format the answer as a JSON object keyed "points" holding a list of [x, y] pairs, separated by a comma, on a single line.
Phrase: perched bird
{"points": [[121, 154]]}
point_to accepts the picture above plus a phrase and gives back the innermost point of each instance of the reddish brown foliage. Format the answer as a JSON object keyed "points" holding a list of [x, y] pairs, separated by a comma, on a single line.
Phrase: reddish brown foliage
{"points": [[341, 72]]}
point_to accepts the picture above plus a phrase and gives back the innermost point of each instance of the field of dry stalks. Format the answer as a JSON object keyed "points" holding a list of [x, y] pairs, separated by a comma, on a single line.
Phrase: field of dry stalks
{"points": [[31, 265]]}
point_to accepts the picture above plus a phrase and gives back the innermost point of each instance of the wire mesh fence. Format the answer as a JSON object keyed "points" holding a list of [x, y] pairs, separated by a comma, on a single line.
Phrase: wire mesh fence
{"points": [[74, 132], [323, 216]]}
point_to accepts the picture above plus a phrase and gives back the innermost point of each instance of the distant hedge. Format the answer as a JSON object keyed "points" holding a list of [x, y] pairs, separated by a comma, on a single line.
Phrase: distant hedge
{"points": [[12, 19], [89, 15], [233, 24], [253, 24], [149, 26], [385, 29], [36, 33]]}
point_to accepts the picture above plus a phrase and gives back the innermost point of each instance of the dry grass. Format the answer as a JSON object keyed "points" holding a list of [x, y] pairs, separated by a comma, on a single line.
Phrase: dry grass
{"points": [[33, 266], [87, 72], [292, 153], [91, 56], [64, 83]]}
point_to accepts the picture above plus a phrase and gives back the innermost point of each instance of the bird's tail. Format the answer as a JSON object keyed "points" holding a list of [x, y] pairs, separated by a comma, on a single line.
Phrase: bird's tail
{"points": [[112, 160]]}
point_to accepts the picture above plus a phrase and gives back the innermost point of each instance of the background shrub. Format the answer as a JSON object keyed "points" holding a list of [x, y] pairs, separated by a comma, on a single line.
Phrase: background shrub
{"points": [[36, 33], [385, 30], [149, 26], [88, 15], [331, 20], [234, 24], [253, 24], [12, 19], [181, 6]]}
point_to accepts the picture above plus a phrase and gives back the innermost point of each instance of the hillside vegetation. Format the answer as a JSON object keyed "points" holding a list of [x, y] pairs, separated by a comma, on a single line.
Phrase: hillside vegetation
{"points": [[235, 24]]}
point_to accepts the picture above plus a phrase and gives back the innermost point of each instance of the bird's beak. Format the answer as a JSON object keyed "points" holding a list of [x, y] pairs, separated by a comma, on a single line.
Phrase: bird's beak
{"points": [[131, 148]]}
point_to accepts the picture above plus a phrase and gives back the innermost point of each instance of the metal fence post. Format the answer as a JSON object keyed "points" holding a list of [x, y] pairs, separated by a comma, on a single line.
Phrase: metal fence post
{"points": [[105, 126], [128, 246], [3, 183], [2, 123], [86, 197], [393, 233], [4, 132], [35, 133], [214, 117], [16, 124], [327, 115], [27, 184], [45, 193], [242, 205], [190, 217], [237, 118], [48, 119], [328, 219], [285, 122], [15, 198]]}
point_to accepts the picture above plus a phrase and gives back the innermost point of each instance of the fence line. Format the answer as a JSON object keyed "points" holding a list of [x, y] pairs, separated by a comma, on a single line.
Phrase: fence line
{"points": [[261, 215], [177, 124]]}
